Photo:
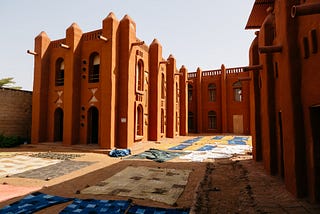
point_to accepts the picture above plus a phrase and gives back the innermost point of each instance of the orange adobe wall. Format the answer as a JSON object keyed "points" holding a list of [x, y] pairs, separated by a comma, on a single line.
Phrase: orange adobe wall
{"points": [[219, 101], [285, 113], [106, 87]]}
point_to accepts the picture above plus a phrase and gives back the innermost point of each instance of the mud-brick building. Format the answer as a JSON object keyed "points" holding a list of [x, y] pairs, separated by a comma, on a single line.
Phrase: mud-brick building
{"points": [[219, 101], [286, 112], [106, 87]]}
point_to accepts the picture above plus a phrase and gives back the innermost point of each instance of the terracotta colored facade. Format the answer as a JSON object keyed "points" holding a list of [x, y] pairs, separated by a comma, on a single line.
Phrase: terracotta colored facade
{"points": [[106, 87], [219, 101], [285, 116]]}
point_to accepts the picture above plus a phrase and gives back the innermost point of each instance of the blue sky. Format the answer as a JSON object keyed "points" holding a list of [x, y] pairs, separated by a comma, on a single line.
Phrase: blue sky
{"points": [[198, 33]]}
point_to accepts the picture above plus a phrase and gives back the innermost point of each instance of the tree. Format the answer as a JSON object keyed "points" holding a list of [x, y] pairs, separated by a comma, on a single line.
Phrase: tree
{"points": [[8, 83]]}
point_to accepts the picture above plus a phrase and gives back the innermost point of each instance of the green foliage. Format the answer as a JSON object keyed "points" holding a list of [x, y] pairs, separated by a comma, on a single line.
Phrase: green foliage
{"points": [[8, 83], [13, 141]]}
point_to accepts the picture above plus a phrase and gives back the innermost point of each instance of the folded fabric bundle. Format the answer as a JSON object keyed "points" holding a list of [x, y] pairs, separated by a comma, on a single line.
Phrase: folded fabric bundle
{"points": [[33, 203], [119, 152], [156, 155]]}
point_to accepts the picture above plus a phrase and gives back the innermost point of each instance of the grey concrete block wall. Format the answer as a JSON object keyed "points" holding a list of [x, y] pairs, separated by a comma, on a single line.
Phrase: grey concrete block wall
{"points": [[15, 112]]}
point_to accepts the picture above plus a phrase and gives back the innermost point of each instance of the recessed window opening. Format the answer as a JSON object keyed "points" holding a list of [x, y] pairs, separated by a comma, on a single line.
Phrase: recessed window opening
{"points": [[59, 80], [212, 92], [94, 70], [237, 91]]}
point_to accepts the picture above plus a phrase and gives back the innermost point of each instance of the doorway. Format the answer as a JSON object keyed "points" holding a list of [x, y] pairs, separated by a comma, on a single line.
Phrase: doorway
{"points": [[93, 125], [58, 125], [281, 167], [315, 126], [238, 124]]}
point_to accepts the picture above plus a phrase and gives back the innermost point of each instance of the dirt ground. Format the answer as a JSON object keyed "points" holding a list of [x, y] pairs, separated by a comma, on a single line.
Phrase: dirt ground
{"points": [[234, 185]]}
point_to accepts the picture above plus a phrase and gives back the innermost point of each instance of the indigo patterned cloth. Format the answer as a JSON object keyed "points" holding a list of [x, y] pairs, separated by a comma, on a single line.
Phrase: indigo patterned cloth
{"points": [[116, 207], [207, 148], [154, 210], [96, 206], [217, 137], [185, 144], [33, 203]]}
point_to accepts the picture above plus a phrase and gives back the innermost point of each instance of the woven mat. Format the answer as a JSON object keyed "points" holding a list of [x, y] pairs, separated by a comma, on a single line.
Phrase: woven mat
{"points": [[22, 163], [157, 184], [53, 171]]}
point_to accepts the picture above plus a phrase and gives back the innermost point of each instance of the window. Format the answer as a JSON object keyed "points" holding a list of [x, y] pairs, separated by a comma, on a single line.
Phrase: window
{"points": [[94, 68], [237, 91], [162, 86], [177, 122], [59, 80], [212, 120], [306, 47], [314, 41], [162, 121], [212, 92], [139, 120], [177, 93], [190, 88], [139, 75]]}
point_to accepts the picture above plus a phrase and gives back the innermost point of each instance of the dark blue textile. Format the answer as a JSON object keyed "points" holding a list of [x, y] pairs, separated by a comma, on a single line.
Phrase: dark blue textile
{"points": [[207, 148], [96, 206], [217, 137], [180, 146], [241, 138], [236, 142], [115, 207], [154, 210], [33, 203], [119, 152], [185, 144], [191, 141]]}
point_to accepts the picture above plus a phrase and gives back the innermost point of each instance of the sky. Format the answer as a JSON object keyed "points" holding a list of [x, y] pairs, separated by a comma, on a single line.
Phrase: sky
{"points": [[198, 33]]}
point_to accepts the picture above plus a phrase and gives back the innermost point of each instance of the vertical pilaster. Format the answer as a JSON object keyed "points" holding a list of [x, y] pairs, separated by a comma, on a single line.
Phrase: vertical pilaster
{"points": [[183, 101], [255, 121], [71, 121], [108, 82], [155, 56], [126, 83], [224, 112], [40, 89], [171, 97], [199, 100]]}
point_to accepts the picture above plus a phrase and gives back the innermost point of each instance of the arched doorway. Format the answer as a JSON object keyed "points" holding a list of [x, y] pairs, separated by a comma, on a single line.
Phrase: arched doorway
{"points": [[93, 125], [139, 121], [191, 127], [58, 125], [162, 121]]}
